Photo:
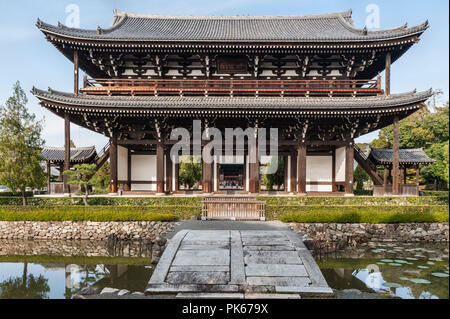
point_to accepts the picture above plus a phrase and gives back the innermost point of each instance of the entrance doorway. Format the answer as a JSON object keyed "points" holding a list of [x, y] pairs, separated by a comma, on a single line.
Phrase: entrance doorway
{"points": [[231, 177]]}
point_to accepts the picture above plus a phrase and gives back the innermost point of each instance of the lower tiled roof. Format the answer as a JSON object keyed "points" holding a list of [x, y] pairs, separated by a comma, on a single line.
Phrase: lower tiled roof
{"points": [[407, 156], [77, 155]]}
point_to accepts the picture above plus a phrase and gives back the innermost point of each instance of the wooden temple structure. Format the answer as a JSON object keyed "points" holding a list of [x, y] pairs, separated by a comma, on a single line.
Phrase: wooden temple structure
{"points": [[316, 78]]}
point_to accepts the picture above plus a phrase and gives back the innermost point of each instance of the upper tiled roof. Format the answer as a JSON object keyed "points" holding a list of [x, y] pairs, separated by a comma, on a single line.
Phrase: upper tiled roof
{"points": [[334, 27], [237, 102], [77, 155], [407, 156]]}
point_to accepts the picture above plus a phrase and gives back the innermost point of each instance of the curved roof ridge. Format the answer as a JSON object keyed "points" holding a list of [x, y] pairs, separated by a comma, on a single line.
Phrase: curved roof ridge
{"points": [[124, 14]]}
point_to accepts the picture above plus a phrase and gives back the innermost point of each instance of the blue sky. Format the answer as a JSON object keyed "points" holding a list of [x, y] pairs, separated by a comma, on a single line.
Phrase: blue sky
{"points": [[28, 57]]}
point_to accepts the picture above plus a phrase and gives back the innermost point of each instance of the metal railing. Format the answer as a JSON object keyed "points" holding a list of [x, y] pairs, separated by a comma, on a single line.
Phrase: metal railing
{"points": [[231, 87]]}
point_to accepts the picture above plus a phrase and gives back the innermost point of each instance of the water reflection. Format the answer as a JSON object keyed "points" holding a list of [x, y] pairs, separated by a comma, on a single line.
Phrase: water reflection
{"points": [[404, 270], [59, 270]]}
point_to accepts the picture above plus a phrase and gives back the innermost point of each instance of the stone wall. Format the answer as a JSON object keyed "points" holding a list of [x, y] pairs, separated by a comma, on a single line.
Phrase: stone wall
{"points": [[96, 231], [341, 235]]}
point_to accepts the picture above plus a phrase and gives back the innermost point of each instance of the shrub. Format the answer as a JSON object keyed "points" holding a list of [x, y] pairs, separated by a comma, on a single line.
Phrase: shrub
{"points": [[363, 214]]}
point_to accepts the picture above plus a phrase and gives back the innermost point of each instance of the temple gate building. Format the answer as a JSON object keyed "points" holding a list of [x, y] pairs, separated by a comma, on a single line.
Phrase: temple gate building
{"points": [[316, 78]]}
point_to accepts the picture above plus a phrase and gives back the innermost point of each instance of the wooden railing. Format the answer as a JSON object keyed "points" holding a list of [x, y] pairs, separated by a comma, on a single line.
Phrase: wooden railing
{"points": [[233, 208], [232, 87], [405, 190]]}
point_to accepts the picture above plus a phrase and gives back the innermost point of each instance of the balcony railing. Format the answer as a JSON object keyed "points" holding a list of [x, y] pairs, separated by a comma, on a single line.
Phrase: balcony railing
{"points": [[232, 87]]}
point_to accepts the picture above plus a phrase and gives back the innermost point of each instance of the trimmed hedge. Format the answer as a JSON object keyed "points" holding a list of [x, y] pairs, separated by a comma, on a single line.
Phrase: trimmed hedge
{"points": [[196, 201], [11, 194], [94, 214], [359, 214]]}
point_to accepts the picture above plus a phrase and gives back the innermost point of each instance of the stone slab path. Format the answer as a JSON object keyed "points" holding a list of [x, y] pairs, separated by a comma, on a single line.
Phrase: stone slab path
{"points": [[237, 264]]}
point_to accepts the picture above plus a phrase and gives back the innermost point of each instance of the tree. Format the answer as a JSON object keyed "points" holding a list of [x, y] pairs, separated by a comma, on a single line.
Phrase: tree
{"points": [[81, 174], [270, 180], [360, 176], [101, 178], [20, 145], [190, 171], [25, 287], [446, 163]]}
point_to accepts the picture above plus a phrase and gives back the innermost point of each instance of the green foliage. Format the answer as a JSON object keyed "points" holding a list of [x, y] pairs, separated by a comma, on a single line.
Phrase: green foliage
{"points": [[81, 174], [363, 214], [26, 287], [276, 179], [437, 170], [20, 145], [94, 214], [101, 178], [190, 171], [360, 177], [446, 163]]}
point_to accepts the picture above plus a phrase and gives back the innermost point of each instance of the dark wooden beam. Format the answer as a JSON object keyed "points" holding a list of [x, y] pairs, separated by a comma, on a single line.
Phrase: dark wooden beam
{"points": [[254, 172], [301, 167], [113, 164], [159, 168], [388, 73], [76, 71], [169, 171], [293, 173], [129, 169], [333, 176], [66, 152], [349, 168], [207, 174], [396, 159]]}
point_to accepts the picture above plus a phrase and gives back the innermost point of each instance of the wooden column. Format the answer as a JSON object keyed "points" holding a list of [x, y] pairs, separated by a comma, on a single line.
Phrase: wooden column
{"points": [[285, 173], [129, 169], [169, 171], [66, 152], [254, 172], [207, 173], [177, 177], [113, 164], [301, 167], [418, 176], [395, 162], [349, 168], [49, 173], [76, 77], [385, 179], [159, 169], [333, 173], [294, 173], [388, 74]]}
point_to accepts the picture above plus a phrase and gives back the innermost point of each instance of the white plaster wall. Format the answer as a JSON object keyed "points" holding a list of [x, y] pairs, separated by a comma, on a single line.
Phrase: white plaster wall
{"points": [[122, 163], [319, 188], [143, 187], [143, 169], [247, 175], [319, 168], [340, 164], [289, 159], [215, 174]]}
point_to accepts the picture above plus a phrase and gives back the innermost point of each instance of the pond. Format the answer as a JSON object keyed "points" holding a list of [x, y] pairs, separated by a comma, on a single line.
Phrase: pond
{"points": [[408, 271], [60, 269]]}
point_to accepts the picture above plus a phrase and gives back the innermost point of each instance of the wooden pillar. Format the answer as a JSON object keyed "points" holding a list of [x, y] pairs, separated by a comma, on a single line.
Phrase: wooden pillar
{"points": [[388, 74], [385, 179], [129, 169], [405, 175], [395, 162], [285, 170], [207, 174], [418, 176], [76, 77], [169, 171], [113, 164], [294, 173], [301, 168], [49, 173], [177, 177], [66, 152], [159, 169], [254, 172], [333, 173], [349, 168]]}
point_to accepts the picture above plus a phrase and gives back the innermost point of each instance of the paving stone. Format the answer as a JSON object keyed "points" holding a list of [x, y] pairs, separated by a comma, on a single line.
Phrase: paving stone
{"points": [[272, 257], [237, 259], [202, 278], [306, 291], [220, 257], [185, 246], [200, 268], [166, 288], [275, 270], [210, 296], [272, 296], [279, 281], [269, 248], [267, 241]]}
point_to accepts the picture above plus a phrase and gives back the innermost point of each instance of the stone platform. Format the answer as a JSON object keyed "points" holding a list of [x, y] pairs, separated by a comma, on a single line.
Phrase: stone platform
{"points": [[237, 263]]}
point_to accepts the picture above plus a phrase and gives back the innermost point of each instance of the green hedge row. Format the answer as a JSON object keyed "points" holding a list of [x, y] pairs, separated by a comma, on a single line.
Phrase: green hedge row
{"points": [[98, 213], [196, 201], [363, 214], [11, 194]]}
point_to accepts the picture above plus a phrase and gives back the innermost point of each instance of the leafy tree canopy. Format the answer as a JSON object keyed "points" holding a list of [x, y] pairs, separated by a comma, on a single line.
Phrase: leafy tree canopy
{"points": [[20, 145]]}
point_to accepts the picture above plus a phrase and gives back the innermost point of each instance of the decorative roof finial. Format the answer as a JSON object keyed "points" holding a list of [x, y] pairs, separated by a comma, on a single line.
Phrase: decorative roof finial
{"points": [[60, 25], [99, 30], [364, 31], [39, 23]]}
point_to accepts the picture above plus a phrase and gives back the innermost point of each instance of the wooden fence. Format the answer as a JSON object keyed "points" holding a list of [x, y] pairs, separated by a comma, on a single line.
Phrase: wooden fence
{"points": [[233, 208]]}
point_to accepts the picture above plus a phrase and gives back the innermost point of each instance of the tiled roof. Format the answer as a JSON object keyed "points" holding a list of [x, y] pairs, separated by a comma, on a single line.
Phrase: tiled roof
{"points": [[407, 156], [77, 155], [334, 27], [237, 102]]}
